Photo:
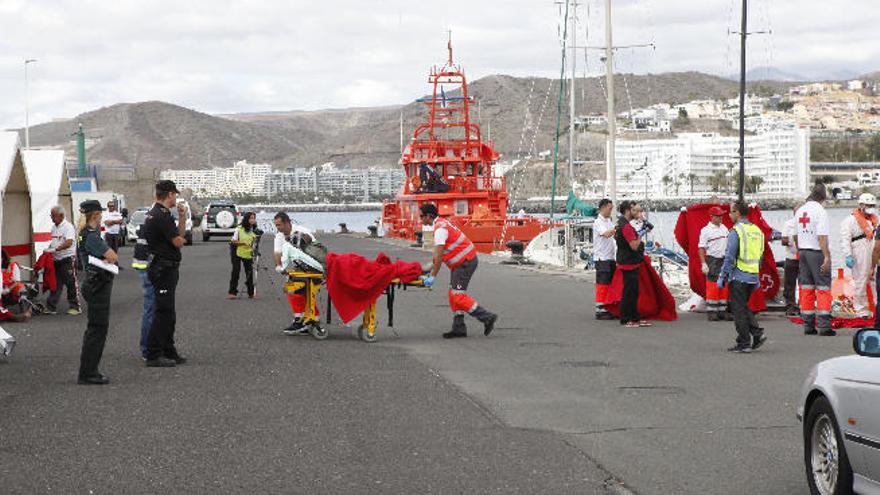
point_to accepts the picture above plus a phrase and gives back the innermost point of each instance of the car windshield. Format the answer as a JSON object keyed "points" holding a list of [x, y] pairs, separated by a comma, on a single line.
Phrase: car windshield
{"points": [[138, 217]]}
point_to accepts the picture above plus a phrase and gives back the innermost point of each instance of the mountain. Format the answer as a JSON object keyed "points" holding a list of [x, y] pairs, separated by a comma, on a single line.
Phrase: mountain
{"points": [[769, 74], [518, 113]]}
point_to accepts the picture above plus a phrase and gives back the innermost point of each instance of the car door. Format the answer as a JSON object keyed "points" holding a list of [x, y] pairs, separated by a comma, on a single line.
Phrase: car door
{"points": [[860, 416]]}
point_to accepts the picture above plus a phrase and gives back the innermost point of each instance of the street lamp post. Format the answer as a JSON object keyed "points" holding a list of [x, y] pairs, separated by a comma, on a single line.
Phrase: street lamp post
{"points": [[27, 134]]}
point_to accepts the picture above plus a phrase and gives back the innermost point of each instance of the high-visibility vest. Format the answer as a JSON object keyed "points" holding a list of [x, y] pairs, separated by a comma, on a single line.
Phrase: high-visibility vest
{"points": [[9, 273], [751, 247], [458, 247], [247, 237]]}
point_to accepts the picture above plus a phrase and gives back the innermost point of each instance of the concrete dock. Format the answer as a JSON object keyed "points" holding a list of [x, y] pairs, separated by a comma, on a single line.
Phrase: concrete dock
{"points": [[552, 402]]}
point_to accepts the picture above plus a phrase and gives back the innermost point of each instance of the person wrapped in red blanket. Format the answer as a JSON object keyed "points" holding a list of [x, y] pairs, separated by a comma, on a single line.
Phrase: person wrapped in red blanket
{"points": [[687, 233], [655, 300], [355, 282]]}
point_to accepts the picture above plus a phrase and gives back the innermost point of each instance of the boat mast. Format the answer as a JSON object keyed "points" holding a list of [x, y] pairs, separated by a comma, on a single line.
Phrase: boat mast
{"points": [[611, 172]]}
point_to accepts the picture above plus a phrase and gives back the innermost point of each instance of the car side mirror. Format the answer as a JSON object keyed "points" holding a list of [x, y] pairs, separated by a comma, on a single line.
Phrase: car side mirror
{"points": [[866, 342]]}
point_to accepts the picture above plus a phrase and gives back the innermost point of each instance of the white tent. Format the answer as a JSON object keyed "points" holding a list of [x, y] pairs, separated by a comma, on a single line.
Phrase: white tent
{"points": [[49, 187], [16, 232]]}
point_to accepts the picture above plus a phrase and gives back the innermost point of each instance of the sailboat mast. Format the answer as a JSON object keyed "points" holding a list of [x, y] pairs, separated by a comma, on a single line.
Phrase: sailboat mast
{"points": [[611, 172], [742, 101], [571, 109]]}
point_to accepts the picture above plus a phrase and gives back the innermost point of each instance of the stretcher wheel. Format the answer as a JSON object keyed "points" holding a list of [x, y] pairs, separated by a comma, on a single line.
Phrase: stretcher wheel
{"points": [[318, 332], [364, 335]]}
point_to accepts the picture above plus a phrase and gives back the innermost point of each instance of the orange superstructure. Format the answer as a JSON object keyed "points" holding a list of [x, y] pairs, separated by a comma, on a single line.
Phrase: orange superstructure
{"points": [[448, 163]]}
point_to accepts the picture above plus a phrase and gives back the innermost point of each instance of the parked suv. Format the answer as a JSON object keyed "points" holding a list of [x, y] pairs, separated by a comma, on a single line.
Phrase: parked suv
{"points": [[220, 218]]}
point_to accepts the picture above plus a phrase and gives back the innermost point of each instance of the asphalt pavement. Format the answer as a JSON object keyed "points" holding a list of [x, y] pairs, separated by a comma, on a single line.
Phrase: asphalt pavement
{"points": [[552, 402]]}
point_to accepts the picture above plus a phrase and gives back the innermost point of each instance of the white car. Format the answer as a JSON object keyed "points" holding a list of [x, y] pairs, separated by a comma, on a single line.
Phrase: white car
{"points": [[840, 411]]}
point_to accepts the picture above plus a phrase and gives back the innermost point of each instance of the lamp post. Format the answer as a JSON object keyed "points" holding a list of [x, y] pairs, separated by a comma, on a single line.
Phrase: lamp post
{"points": [[27, 134]]}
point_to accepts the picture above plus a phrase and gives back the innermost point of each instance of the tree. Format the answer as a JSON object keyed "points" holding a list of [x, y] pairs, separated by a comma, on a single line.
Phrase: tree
{"points": [[718, 181], [785, 106], [692, 178], [828, 179], [682, 113], [666, 180], [753, 183]]}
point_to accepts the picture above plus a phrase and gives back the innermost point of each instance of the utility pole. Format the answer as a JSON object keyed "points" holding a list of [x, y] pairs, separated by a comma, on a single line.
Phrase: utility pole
{"points": [[571, 110], [742, 101], [27, 110], [611, 173]]}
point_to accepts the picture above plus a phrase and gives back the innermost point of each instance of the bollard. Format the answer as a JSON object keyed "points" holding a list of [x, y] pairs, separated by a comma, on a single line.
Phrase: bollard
{"points": [[343, 228], [374, 231], [517, 248]]}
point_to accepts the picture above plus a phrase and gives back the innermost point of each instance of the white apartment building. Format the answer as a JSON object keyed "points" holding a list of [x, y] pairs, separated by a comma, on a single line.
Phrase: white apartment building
{"points": [[241, 178], [780, 155], [330, 179]]}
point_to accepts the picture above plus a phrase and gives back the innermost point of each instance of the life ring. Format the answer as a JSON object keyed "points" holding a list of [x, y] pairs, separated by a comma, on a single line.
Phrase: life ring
{"points": [[225, 219], [416, 182]]}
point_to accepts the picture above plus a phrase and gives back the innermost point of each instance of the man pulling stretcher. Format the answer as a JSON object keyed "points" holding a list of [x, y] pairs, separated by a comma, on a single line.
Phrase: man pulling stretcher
{"points": [[454, 249]]}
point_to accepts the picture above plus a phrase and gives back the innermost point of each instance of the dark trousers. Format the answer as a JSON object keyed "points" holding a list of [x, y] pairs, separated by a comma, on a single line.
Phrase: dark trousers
{"points": [[160, 342], [629, 302], [790, 283], [65, 277], [96, 291], [112, 241], [743, 318], [248, 275]]}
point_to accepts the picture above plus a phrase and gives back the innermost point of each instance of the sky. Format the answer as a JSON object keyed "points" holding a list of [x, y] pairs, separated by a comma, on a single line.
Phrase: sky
{"points": [[225, 56]]}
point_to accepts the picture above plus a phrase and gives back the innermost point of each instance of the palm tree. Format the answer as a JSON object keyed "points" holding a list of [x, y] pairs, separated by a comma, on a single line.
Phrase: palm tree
{"points": [[692, 178], [666, 180]]}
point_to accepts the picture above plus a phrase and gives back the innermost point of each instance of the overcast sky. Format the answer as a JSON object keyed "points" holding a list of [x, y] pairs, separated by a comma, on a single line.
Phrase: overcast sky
{"points": [[223, 56]]}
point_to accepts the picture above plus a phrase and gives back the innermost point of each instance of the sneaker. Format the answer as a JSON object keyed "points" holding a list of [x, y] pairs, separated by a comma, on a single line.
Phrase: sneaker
{"points": [[161, 362], [97, 379], [810, 331], [50, 311], [645, 323], [74, 311], [489, 325], [632, 324], [792, 312], [740, 349], [828, 333], [758, 340], [178, 359], [453, 334], [296, 328], [605, 316], [231, 296]]}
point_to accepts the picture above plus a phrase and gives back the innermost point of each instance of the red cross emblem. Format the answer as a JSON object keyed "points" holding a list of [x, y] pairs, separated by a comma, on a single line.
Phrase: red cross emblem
{"points": [[804, 220]]}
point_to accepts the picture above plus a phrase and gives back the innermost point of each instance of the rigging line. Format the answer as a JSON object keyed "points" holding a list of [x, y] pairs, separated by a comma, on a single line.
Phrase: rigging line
{"points": [[519, 171], [559, 115]]}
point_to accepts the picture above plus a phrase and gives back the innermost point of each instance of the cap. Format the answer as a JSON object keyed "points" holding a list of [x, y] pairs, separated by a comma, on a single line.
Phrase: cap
{"points": [[90, 205], [716, 211], [166, 186]]}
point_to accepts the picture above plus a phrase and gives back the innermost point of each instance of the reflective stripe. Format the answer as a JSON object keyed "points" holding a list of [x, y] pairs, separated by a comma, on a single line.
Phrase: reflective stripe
{"points": [[458, 257], [808, 287], [457, 291], [142, 241], [808, 311], [455, 244], [823, 287], [474, 307], [823, 313]]}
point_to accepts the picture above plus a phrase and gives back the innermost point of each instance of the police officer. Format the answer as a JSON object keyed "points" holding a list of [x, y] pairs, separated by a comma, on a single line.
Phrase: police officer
{"points": [[164, 239], [741, 268], [96, 291]]}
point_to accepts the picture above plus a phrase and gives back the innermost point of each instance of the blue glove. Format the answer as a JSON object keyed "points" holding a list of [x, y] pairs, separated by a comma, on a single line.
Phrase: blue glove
{"points": [[428, 281], [850, 261]]}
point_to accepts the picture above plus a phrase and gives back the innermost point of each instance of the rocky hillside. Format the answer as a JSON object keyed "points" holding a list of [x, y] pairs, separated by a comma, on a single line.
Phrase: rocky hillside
{"points": [[518, 113]]}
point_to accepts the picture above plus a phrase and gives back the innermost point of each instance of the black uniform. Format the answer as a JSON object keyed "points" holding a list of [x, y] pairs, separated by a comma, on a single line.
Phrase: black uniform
{"points": [[627, 257], [96, 291], [164, 271]]}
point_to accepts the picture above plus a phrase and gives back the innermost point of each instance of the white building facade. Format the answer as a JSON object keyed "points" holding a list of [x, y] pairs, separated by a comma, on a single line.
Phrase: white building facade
{"points": [[684, 165], [328, 179], [242, 178]]}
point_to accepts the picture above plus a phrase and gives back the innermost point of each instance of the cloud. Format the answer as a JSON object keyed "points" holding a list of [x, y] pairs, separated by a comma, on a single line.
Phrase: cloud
{"points": [[255, 55]]}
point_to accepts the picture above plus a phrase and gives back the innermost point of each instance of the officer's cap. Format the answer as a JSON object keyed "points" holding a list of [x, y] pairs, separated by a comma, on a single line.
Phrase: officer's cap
{"points": [[89, 206], [166, 186]]}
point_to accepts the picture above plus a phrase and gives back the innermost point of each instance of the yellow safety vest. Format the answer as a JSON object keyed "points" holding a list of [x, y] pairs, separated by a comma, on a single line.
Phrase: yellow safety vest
{"points": [[245, 252], [751, 247]]}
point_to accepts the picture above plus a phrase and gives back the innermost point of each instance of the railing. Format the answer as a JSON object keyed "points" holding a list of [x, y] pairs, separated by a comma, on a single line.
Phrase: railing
{"points": [[459, 184]]}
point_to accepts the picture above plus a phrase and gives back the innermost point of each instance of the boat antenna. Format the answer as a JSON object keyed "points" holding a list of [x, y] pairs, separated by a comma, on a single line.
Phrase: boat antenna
{"points": [[742, 101], [449, 46]]}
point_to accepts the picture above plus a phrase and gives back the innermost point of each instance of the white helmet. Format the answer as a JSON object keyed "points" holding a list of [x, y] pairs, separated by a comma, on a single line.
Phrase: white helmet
{"points": [[867, 199]]}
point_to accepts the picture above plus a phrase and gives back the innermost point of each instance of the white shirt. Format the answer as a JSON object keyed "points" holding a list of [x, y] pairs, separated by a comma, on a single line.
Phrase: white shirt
{"points": [[789, 231], [280, 238], [111, 215], [60, 233], [714, 240], [812, 221], [604, 248], [440, 236]]}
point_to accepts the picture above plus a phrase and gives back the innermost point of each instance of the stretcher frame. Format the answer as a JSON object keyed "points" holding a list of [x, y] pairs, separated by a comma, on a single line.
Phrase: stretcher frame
{"points": [[313, 282]]}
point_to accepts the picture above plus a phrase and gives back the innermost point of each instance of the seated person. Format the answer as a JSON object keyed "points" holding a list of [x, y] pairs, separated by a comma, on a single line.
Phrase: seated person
{"points": [[12, 286], [431, 180]]}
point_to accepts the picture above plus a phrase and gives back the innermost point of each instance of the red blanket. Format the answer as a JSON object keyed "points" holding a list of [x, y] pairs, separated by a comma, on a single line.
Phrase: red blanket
{"points": [[47, 264], [655, 300], [354, 282], [842, 322], [687, 233]]}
